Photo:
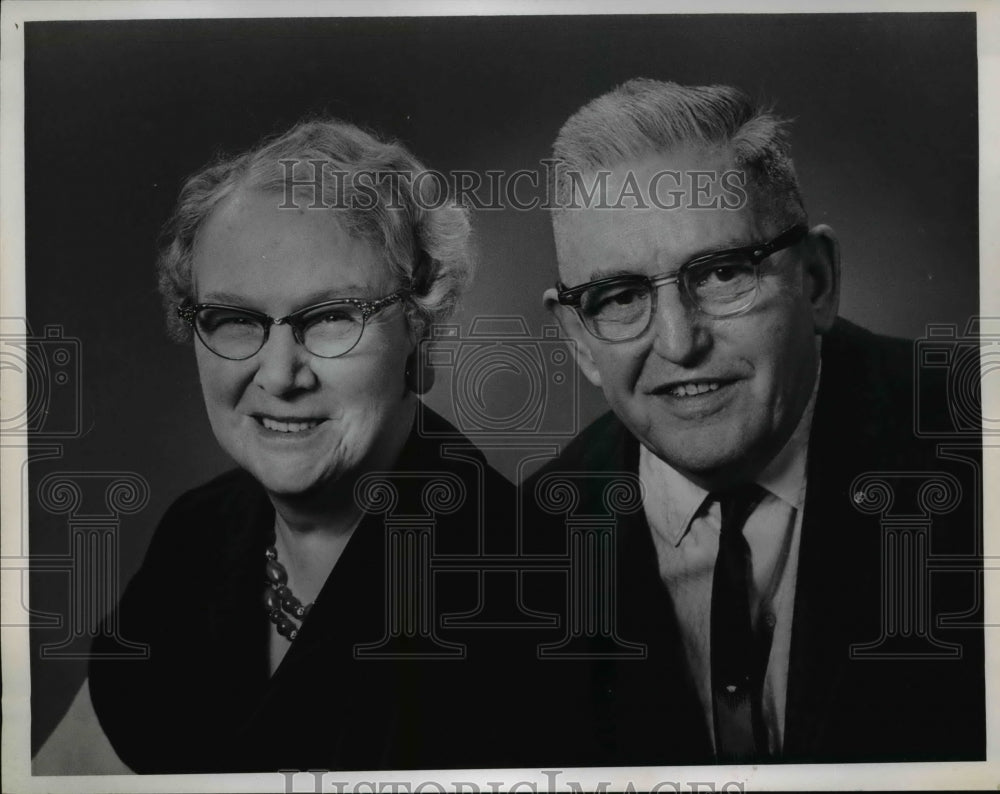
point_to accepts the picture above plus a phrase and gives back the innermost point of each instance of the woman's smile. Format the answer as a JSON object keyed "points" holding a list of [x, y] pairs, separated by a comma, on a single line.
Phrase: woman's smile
{"points": [[297, 421]]}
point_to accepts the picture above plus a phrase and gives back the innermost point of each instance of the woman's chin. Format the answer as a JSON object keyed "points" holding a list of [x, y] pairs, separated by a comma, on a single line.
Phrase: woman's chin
{"points": [[292, 484]]}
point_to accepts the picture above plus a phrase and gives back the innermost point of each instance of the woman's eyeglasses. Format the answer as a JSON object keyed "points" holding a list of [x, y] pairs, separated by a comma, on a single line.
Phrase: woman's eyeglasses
{"points": [[719, 284], [328, 330]]}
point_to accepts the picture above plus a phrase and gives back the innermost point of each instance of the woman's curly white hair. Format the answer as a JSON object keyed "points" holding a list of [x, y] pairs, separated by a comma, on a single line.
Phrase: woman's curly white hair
{"points": [[372, 186]]}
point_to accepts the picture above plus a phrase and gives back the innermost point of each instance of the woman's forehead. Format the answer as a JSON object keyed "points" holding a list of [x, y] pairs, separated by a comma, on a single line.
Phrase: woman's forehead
{"points": [[251, 246]]}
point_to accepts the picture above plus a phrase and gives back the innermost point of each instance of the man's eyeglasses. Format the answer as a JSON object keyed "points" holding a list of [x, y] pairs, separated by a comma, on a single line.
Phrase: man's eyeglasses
{"points": [[719, 284], [328, 330]]}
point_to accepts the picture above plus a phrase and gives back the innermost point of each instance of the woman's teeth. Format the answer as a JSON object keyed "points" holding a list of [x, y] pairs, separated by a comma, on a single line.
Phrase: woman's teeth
{"points": [[690, 389], [288, 427]]}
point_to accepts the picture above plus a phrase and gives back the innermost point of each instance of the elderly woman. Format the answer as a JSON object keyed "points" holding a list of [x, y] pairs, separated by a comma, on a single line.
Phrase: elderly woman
{"points": [[306, 271]]}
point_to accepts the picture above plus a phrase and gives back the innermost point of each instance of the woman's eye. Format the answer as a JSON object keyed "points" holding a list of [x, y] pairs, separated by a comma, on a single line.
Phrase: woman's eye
{"points": [[332, 318], [335, 316], [225, 320]]}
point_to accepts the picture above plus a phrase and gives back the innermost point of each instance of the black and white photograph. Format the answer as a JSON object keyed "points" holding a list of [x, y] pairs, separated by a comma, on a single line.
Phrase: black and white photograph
{"points": [[483, 398]]}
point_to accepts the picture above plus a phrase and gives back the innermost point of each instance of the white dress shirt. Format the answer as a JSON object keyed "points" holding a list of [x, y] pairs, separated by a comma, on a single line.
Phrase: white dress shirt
{"points": [[686, 535]]}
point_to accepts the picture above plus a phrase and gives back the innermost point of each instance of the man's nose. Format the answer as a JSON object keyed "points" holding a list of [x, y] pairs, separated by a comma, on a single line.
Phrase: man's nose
{"points": [[283, 365], [679, 333]]}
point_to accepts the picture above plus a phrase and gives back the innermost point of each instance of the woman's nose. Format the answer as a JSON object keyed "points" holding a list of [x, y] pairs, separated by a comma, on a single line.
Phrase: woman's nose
{"points": [[679, 335], [283, 365]]}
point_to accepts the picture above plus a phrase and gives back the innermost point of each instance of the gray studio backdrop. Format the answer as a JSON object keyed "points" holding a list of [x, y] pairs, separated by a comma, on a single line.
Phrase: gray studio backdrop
{"points": [[118, 113]]}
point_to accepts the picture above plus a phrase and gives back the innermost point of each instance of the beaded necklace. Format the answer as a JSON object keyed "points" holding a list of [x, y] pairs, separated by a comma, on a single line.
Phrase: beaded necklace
{"points": [[280, 601]]}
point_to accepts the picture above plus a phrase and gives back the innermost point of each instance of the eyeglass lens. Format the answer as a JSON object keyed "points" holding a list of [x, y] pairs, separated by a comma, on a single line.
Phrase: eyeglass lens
{"points": [[623, 309], [328, 331]]}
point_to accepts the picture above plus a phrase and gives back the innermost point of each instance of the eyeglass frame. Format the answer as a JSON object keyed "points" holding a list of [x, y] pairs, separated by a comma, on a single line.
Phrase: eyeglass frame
{"points": [[757, 253], [188, 313]]}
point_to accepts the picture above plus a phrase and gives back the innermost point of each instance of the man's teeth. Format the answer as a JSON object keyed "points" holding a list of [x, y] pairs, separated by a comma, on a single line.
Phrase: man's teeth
{"points": [[690, 389], [287, 427]]}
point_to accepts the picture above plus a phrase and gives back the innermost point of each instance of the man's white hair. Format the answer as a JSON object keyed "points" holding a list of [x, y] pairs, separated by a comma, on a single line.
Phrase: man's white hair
{"points": [[644, 117]]}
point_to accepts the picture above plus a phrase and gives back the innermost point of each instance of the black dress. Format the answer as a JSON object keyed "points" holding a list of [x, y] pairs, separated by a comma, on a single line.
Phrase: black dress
{"points": [[375, 680]]}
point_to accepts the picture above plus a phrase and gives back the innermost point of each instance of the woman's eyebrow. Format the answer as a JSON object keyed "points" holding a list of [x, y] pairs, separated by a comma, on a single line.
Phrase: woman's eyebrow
{"points": [[310, 299], [223, 297], [344, 291]]}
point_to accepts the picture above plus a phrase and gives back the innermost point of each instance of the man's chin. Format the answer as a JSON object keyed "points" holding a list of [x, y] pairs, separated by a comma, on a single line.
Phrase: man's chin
{"points": [[708, 465]]}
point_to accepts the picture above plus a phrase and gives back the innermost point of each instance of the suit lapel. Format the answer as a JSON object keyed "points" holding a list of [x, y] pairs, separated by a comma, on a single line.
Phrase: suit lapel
{"points": [[650, 702], [832, 592]]}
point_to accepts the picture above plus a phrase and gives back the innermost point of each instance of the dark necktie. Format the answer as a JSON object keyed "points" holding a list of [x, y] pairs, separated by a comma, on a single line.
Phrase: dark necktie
{"points": [[738, 663]]}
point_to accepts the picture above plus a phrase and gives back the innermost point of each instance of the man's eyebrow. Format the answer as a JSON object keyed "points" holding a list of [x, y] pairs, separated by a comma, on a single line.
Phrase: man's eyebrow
{"points": [[723, 245], [718, 247], [727, 244], [612, 272]]}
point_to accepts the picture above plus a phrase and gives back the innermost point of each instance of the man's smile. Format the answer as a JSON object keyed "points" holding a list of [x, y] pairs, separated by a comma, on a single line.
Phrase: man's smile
{"points": [[694, 387]]}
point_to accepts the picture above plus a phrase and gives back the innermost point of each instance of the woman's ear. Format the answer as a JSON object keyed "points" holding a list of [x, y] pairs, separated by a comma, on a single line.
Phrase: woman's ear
{"points": [[822, 274], [574, 329], [418, 375]]}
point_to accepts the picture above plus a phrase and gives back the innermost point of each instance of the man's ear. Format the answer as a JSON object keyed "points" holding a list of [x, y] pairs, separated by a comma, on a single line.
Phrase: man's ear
{"points": [[574, 330], [822, 275]]}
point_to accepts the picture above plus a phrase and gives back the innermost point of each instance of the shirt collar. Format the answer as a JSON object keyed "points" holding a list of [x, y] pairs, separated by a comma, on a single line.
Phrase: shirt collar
{"points": [[676, 500], [668, 495]]}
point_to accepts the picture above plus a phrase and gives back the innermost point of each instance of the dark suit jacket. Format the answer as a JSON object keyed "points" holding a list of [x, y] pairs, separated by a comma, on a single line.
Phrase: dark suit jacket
{"points": [[915, 693]]}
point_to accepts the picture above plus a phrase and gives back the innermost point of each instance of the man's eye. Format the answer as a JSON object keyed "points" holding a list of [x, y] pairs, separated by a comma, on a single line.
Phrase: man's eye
{"points": [[625, 296], [613, 298], [721, 282], [723, 273]]}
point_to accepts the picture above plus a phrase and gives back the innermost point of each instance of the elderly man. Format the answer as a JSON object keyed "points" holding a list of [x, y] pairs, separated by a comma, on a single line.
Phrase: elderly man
{"points": [[752, 604]]}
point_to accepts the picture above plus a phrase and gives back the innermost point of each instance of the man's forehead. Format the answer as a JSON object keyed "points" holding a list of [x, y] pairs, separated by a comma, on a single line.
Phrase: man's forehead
{"points": [[682, 186], [650, 239], [686, 159]]}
